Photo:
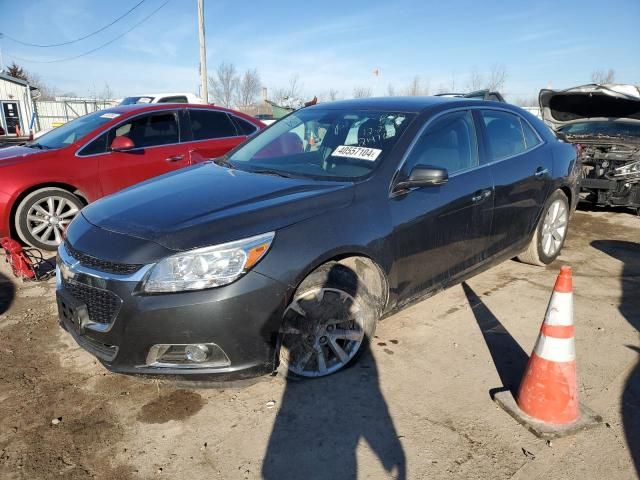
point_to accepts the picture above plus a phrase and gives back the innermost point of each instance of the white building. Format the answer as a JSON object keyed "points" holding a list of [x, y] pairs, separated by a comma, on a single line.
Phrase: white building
{"points": [[16, 105]]}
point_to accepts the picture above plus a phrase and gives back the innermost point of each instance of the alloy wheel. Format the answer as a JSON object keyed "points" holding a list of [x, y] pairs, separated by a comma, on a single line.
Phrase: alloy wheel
{"points": [[322, 331], [48, 218], [554, 227]]}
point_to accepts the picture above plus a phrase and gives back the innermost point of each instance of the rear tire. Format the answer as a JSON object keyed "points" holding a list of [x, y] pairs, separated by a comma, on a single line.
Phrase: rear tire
{"points": [[550, 233], [43, 216], [329, 323]]}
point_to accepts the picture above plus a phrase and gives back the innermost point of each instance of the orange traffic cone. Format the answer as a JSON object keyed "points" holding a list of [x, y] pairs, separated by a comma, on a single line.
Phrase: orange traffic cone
{"points": [[549, 388], [547, 401]]}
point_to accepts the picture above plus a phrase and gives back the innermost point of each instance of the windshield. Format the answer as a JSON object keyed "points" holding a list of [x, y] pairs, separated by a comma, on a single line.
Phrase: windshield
{"points": [[73, 131], [610, 129], [333, 144], [134, 100]]}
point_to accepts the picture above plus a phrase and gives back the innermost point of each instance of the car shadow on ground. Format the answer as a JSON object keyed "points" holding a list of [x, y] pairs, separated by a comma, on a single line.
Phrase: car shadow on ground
{"points": [[7, 293], [508, 356], [629, 254], [322, 421]]}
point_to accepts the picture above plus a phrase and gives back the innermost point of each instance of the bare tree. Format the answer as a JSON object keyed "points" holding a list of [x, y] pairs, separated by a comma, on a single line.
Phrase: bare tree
{"points": [[494, 82], [107, 93], [249, 88], [415, 88], [293, 90], [361, 92], [601, 76], [476, 80], [34, 80], [224, 84], [333, 94], [391, 90], [497, 78], [290, 92]]}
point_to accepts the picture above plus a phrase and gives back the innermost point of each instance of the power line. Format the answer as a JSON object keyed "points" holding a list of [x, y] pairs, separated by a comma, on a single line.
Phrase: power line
{"points": [[94, 49], [77, 39]]}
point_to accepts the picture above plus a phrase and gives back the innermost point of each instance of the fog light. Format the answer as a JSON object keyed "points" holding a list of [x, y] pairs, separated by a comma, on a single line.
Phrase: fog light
{"points": [[196, 353], [191, 355]]}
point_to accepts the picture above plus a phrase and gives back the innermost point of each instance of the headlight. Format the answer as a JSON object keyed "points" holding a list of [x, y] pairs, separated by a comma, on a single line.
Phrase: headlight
{"points": [[629, 169], [207, 267]]}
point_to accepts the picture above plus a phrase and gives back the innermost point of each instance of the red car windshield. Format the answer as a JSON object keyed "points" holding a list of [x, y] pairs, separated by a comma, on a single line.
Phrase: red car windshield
{"points": [[73, 131]]}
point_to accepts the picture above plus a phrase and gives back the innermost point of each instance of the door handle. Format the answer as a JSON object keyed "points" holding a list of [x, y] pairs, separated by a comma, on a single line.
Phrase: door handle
{"points": [[481, 195], [175, 158], [541, 172]]}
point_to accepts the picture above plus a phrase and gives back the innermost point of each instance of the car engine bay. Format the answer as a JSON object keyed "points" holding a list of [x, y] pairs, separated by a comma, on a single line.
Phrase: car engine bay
{"points": [[611, 174]]}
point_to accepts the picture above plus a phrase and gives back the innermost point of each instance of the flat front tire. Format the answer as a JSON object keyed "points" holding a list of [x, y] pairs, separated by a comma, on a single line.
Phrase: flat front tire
{"points": [[329, 322], [550, 233], [43, 216]]}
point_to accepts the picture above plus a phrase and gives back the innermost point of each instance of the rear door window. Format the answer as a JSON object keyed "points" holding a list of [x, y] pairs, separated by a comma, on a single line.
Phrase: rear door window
{"points": [[211, 124], [151, 130], [504, 134], [449, 142]]}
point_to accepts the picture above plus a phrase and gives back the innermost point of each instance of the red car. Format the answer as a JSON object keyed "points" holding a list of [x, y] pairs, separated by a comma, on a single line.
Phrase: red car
{"points": [[45, 183]]}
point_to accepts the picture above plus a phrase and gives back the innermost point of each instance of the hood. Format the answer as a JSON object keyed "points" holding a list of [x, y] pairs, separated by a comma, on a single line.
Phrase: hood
{"points": [[593, 101], [207, 204], [11, 155]]}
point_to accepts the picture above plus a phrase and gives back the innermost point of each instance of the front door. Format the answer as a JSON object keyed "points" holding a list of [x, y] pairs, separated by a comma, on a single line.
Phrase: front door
{"points": [[441, 231], [158, 150], [521, 169]]}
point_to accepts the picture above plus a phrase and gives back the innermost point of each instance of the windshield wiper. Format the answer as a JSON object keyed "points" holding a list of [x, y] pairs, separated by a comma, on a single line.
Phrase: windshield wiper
{"points": [[275, 173], [38, 146], [222, 162]]}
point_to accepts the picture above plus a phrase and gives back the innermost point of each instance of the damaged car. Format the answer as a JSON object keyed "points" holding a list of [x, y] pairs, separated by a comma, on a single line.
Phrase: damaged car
{"points": [[295, 244], [604, 122]]}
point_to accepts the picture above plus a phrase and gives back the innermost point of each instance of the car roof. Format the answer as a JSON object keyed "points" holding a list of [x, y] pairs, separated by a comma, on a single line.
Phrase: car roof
{"points": [[141, 107], [404, 104]]}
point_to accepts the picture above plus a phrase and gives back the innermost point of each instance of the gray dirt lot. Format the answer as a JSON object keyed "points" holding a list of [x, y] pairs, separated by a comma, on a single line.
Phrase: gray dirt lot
{"points": [[419, 405]]}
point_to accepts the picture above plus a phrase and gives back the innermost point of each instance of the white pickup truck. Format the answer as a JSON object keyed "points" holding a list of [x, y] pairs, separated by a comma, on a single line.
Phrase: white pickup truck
{"points": [[161, 98]]}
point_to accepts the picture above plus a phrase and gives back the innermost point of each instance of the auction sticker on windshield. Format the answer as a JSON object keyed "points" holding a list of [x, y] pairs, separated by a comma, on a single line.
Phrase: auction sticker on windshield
{"points": [[361, 153], [110, 115]]}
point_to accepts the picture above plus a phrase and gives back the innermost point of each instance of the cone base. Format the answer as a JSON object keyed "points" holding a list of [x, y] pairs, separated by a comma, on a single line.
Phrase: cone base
{"points": [[588, 418]]}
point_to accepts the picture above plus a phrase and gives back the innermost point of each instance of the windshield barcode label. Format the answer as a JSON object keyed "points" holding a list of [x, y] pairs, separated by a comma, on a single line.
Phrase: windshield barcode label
{"points": [[361, 153]]}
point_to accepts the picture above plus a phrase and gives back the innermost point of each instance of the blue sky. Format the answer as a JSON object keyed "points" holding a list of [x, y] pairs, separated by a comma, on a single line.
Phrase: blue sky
{"points": [[328, 44]]}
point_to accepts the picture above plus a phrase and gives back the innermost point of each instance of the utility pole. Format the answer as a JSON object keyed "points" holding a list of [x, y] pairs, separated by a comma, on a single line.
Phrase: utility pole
{"points": [[204, 92]]}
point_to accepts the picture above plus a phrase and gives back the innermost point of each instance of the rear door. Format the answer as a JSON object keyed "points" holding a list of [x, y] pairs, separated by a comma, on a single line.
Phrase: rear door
{"points": [[158, 150], [214, 133], [441, 231], [521, 168]]}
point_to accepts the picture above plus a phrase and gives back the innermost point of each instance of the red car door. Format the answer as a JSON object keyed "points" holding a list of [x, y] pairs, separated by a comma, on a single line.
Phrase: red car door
{"points": [[214, 133], [157, 149]]}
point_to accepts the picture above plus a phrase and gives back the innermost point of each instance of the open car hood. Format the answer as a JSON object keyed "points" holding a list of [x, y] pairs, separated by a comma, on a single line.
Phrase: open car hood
{"points": [[593, 101]]}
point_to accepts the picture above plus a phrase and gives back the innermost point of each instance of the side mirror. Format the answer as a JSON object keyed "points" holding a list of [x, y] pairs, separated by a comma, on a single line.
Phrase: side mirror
{"points": [[122, 144], [423, 176]]}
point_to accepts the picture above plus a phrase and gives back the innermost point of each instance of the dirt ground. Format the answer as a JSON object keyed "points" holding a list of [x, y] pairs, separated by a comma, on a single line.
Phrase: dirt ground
{"points": [[417, 407]]}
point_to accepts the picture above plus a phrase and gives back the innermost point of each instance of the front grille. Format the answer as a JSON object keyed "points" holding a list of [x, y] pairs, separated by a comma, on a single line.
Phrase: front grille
{"points": [[102, 265], [102, 305]]}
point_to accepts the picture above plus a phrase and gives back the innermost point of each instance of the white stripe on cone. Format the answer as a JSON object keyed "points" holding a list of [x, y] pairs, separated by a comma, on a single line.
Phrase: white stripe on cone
{"points": [[560, 310], [555, 349]]}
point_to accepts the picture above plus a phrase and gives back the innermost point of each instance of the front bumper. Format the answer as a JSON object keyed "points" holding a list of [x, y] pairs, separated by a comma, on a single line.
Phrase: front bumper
{"points": [[242, 318]]}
